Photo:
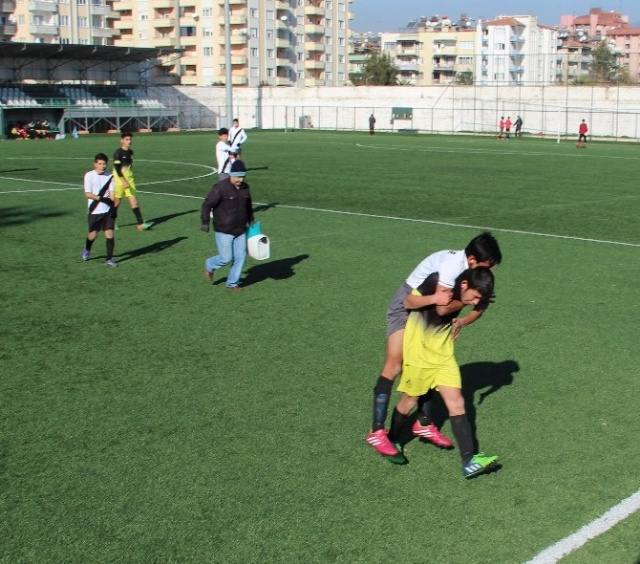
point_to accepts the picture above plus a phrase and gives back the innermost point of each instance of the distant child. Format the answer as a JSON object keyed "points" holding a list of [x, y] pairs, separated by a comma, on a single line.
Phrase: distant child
{"points": [[224, 158], [507, 127], [125, 184], [429, 363], [582, 135], [100, 193], [237, 138], [501, 125]]}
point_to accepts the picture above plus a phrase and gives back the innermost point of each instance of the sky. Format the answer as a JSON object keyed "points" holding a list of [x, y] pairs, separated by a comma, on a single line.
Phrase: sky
{"points": [[391, 15]]}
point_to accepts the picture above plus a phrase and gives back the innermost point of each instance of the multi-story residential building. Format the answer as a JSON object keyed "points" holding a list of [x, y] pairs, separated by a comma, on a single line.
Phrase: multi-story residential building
{"points": [[431, 51], [573, 60], [626, 43], [594, 25], [84, 22], [515, 50], [272, 42]]}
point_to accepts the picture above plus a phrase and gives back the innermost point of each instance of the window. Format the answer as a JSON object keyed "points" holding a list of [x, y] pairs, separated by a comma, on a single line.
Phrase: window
{"points": [[341, 77], [207, 12], [65, 40], [207, 32], [207, 51], [269, 34], [341, 41], [270, 73], [270, 53], [253, 13], [83, 21], [255, 73], [96, 21], [82, 2], [466, 45], [341, 24], [327, 22], [144, 16], [270, 15], [300, 57], [328, 4], [328, 40], [64, 21], [341, 58], [254, 51], [253, 32], [328, 57], [327, 75], [465, 60]]}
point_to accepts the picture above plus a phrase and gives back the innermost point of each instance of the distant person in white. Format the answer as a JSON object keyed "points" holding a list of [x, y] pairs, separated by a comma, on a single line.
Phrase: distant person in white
{"points": [[223, 156], [237, 136]]}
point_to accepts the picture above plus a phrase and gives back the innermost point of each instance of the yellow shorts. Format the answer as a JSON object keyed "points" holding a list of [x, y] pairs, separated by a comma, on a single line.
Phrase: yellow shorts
{"points": [[120, 190], [417, 380]]}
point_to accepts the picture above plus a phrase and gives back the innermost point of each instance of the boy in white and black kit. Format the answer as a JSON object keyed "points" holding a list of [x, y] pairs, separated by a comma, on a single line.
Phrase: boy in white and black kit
{"points": [[99, 189]]}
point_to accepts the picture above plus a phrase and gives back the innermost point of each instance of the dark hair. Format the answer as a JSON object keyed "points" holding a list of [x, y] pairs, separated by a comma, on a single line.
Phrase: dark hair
{"points": [[101, 157], [223, 131], [484, 248], [480, 278], [126, 134]]}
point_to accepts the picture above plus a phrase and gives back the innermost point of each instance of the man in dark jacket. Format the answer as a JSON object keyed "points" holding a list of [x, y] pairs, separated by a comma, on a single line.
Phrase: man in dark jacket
{"points": [[230, 202]]}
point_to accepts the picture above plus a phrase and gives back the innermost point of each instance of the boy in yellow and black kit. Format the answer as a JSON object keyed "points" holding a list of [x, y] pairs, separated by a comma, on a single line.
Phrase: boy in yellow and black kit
{"points": [[125, 184], [429, 363]]}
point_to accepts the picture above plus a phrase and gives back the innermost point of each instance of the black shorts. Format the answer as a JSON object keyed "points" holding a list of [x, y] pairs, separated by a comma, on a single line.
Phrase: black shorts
{"points": [[101, 221]]}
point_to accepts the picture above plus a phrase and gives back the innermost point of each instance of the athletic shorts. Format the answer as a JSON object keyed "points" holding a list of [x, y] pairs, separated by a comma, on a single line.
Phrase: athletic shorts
{"points": [[416, 381], [120, 191], [396, 312], [101, 221]]}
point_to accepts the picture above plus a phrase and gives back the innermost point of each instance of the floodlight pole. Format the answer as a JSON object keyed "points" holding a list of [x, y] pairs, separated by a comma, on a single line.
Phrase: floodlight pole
{"points": [[227, 61]]}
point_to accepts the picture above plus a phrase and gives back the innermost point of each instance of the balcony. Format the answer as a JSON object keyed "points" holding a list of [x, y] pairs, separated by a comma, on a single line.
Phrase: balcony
{"points": [[283, 61], [163, 42], [188, 60], [515, 69], [313, 64], [310, 82], [43, 7], [123, 6], [103, 10], [8, 29], [233, 2], [238, 20], [102, 32], [163, 22], [516, 39], [312, 28], [283, 81], [311, 10], [189, 80], [239, 80], [407, 66], [313, 46], [239, 60], [7, 6], [163, 4], [236, 39], [123, 24], [282, 5], [166, 80], [44, 29], [188, 40]]}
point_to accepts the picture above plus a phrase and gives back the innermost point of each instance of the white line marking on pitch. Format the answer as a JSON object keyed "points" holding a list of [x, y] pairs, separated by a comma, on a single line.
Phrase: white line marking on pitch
{"points": [[394, 218], [590, 531]]}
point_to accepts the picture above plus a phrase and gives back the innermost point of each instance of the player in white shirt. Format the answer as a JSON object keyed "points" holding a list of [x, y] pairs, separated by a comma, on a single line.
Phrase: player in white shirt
{"points": [[99, 190], [482, 250], [237, 137], [224, 158]]}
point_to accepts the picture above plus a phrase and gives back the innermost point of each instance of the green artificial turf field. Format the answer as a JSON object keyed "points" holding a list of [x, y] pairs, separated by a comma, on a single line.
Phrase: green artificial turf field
{"points": [[151, 417]]}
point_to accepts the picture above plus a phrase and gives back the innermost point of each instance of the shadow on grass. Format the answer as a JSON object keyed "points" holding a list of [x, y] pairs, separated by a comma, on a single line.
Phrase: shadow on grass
{"points": [[265, 207], [249, 169], [10, 217], [164, 218], [17, 170], [476, 376], [275, 270], [154, 248]]}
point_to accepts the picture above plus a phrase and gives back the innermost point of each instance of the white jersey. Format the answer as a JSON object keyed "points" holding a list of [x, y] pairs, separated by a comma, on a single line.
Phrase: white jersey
{"points": [[448, 264], [237, 136], [93, 184], [222, 156]]}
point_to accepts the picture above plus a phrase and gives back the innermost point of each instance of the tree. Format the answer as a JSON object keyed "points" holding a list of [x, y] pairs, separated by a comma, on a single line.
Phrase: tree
{"points": [[380, 70], [604, 64], [464, 78]]}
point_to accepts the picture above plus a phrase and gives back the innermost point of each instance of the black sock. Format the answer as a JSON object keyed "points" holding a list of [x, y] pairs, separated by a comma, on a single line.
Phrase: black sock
{"points": [[397, 424], [138, 214], [381, 395], [88, 244], [110, 246], [425, 404], [462, 432]]}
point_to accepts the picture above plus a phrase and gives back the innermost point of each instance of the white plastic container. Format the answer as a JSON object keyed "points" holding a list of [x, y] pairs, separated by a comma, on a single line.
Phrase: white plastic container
{"points": [[258, 247]]}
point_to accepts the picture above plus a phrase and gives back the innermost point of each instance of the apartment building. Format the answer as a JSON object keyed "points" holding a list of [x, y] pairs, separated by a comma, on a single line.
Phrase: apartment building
{"points": [[626, 44], [273, 42], [516, 50], [431, 51], [83, 22]]}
